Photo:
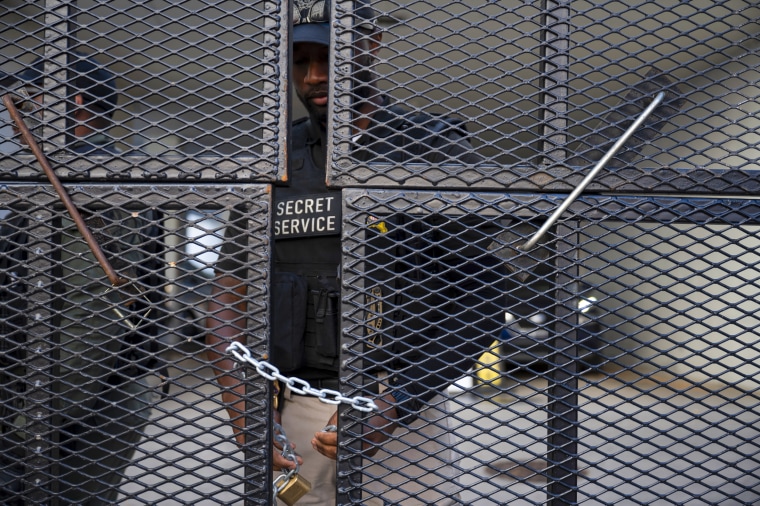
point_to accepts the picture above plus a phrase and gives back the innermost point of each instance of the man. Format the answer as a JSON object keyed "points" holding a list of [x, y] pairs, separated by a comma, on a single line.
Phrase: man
{"points": [[94, 102], [306, 291], [101, 397]]}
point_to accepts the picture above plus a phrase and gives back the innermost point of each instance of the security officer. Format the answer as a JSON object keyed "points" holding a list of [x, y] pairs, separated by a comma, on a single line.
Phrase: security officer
{"points": [[102, 397], [306, 291]]}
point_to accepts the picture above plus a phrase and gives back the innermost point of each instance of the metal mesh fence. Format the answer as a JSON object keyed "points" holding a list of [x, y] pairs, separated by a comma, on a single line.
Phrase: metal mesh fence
{"points": [[626, 368], [199, 84], [543, 88], [612, 363], [106, 385]]}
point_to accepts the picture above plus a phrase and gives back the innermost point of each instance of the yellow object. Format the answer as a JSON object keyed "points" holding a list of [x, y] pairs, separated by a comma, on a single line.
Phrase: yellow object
{"points": [[380, 227], [488, 369]]}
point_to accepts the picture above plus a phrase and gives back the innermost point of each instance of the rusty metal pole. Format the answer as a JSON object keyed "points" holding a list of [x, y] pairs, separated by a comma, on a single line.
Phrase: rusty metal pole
{"points": [[100, 256]]}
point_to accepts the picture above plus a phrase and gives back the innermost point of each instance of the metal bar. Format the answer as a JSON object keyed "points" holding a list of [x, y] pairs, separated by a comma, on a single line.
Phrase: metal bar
{"points": [[591, 175], [113, 277], [563, 405], [554, 78]]}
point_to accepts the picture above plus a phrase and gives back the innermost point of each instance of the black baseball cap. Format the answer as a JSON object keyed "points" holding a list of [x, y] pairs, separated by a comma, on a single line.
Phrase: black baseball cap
{"points": [[92, 80], [311, 19]]}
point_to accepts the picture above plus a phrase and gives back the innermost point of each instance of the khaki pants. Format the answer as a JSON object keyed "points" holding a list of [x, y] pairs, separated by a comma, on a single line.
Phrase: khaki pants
{"points": [[427, 443]]}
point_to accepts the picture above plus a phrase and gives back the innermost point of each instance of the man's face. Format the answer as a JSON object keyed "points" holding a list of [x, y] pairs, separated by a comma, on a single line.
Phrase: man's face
{"points": [[311, 70]]}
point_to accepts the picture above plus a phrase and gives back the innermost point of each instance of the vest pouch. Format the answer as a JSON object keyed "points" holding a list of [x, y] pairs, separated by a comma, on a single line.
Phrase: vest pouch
{"points": [[289, 300], [326, 304]]}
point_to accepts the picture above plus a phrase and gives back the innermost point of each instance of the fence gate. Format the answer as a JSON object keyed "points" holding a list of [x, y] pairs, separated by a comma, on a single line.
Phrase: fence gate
{"points": [[612, 347]]}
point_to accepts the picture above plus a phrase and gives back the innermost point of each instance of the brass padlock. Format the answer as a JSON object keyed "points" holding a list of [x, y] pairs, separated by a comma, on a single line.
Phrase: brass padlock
{"points": [[294, 489]]}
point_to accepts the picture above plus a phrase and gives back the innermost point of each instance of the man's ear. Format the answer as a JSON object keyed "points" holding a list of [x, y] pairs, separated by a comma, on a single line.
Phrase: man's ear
{"points": [[80, 113]]}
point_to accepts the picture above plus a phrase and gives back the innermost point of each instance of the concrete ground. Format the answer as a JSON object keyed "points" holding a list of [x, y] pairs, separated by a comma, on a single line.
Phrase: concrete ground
{"points": [[188, 455], [642, 441]]}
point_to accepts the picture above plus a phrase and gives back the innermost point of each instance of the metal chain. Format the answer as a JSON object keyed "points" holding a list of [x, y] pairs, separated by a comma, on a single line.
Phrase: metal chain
{"points": [[298, 385], [287, 452]]}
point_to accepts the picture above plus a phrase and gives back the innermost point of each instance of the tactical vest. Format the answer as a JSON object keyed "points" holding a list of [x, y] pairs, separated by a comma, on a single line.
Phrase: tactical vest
{"points": [[307, 256]]}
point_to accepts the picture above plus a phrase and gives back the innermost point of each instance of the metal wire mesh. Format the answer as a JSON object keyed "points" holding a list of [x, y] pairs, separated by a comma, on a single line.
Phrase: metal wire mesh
{"points": [[544, 88], [617, 359], [99, 378], [625, 370], [198, 84]]}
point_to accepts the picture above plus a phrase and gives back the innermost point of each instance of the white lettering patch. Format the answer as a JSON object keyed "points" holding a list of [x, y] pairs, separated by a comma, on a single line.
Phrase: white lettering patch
{"points": [[307, 215]]}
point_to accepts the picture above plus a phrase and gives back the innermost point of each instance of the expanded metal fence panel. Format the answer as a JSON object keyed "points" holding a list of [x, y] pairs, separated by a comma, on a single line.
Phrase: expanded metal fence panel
{"points": [[542, 89], [198, 85], [614, 362], [108, 392], [546, 85], [624, 365]]}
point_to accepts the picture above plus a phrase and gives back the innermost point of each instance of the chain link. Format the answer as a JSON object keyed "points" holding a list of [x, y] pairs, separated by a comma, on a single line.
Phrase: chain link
{"points": [[297, 385], [287, 452]]}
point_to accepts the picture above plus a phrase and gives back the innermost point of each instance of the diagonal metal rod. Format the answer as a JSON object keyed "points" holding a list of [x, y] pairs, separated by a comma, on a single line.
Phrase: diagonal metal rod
{"points": [[591, 175], [113, 277]]}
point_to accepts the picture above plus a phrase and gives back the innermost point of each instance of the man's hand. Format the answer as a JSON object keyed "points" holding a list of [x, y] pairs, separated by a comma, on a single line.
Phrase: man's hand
{"points": [[377, 430], [326, 442], [279, 462]]}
